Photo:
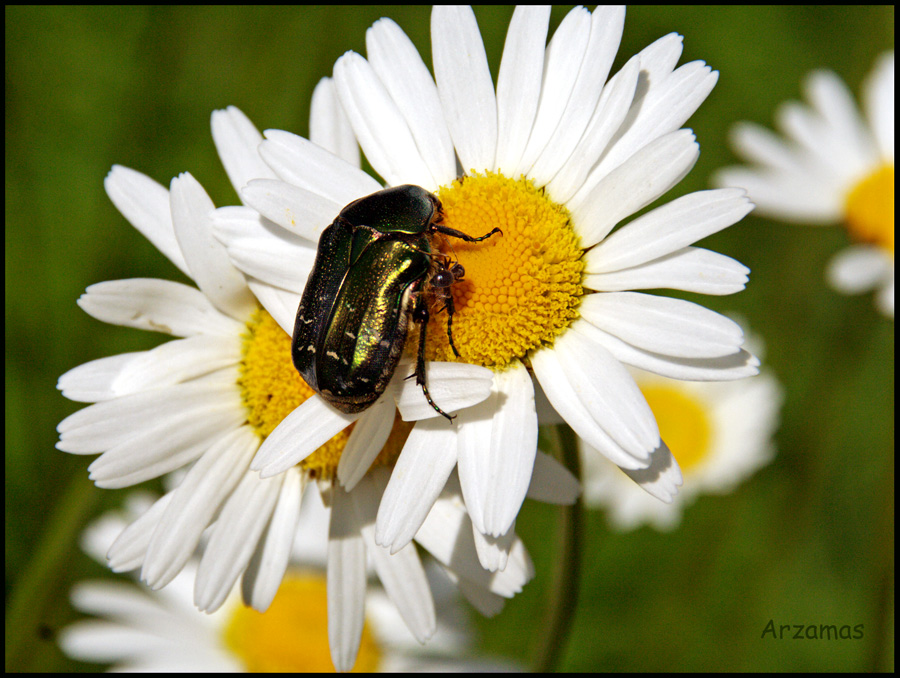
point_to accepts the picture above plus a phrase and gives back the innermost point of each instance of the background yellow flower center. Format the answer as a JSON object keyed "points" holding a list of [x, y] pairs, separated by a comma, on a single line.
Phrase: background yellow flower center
{"points": [[870, 209], [521, 288], [683, 423], [292, 635], [272, 388]]}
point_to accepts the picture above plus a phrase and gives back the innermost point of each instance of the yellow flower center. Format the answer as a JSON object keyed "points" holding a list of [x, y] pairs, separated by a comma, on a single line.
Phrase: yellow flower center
{"points": [[292, 635], [272, 388], [683, 423], [521, 288], [870, 209]]}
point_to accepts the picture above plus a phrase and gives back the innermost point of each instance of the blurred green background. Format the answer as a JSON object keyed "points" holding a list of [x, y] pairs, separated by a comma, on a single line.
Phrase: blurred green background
{"points": [[808, 540]]}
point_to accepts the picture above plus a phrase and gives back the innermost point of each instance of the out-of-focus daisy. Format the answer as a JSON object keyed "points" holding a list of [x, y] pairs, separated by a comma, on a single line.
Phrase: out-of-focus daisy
{"points": [[204, 403], [163, 632], [720, 433], [557, 156], [832, 167]]}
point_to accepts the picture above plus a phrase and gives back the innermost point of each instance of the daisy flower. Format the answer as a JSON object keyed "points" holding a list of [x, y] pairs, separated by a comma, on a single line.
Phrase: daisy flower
{"points": [[162, 631], [832, 167], [202, 405], [557, 156], [720, 433]]}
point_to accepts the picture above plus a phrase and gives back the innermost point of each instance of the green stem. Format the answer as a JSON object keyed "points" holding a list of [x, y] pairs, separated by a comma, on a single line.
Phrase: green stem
{"points": [[567, 576], [41, 588]]}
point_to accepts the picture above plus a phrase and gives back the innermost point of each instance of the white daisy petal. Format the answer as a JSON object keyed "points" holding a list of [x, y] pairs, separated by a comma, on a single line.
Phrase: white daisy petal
{"points": [[145, 204], [405, 76], [207, 259], [125, 603], [128, 550], [400, 571], [233, 538], [494, 480], [419, 475], [194, 504], [237, 142], [615, 102], [453, 386], [858, 269], [519, 83], [301, 212], [309, 166], [692, 269], [329, 126], [562, 62], [493, 552], [662, 478], [640, 180], [855, 148], [609, 393], [668, 228], [878, 96], [671, 327], [735, 366], [659, 58], [266, 569], [665, 106], [156, 305], [107, 424], [793, 197], [606, 27], [762, 146], [552, 482], [365, 443], [379, 126], [464, 85], [94, 381], [281, 304], [300, 434], [159, 450], [263, 250], [346, 583], [589, 419], [177, 361], [447, 535], [487, 603]]}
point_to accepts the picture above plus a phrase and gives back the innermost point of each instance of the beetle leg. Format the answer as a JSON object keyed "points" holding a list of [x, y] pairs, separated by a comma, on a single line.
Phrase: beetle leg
{"points": [[420, 315], [448, 306], [446, 230]]}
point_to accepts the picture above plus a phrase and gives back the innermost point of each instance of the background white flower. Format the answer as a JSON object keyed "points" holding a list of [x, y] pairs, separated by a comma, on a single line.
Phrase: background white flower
{"points": [[721, 433], [162, 631], [832, 166]]}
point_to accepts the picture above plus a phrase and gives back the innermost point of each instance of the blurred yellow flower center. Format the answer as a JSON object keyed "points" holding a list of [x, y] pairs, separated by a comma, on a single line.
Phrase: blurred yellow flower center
{"points": [[521, 288], [870, 209], [683, 423], [292, 635], [271, 389]]}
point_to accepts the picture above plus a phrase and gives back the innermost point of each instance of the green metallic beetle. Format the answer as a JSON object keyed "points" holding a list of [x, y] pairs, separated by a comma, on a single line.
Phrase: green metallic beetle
{"points": [[375, 270]]}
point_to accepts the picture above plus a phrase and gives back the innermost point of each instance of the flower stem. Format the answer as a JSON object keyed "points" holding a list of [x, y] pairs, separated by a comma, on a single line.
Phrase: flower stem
{"points": [[567, 576]]}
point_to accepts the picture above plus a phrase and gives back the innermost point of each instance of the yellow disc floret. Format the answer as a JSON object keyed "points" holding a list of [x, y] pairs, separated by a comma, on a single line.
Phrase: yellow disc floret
{"points": [[521, 288], [292, 635], [870, 209]]}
